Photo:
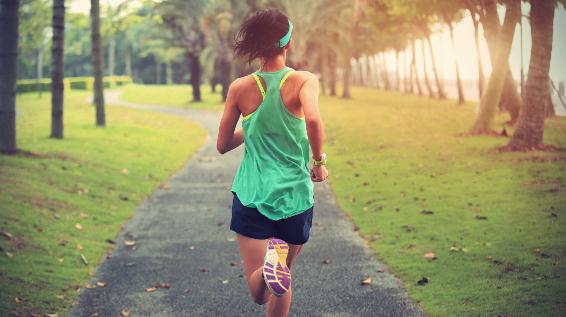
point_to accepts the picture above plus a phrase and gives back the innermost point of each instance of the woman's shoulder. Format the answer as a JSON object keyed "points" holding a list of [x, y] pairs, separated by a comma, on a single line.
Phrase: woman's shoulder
{"points": [[301, 76]]}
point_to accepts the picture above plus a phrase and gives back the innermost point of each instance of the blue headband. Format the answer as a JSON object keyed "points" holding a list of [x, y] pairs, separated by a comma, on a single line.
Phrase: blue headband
{"points": [[285, 39]]}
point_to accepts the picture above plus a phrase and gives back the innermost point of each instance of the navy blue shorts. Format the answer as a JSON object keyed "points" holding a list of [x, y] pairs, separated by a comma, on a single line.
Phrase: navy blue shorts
{"points": [[251, 223]]}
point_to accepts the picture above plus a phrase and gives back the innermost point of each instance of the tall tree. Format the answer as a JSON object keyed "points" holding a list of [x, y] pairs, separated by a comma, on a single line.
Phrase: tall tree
{"points": [[492, 96], [530, 127], [97, 62], [439, 86], [57, 70], [474, 15], [8, 68], [425, 71]]}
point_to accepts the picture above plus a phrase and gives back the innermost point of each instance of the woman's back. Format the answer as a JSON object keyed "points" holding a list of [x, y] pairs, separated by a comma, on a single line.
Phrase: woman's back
{"points": [[274, 174]]}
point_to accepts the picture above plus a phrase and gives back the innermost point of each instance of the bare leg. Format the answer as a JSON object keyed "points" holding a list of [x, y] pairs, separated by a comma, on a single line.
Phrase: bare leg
{"points": [[252, 252], [279, 306]]}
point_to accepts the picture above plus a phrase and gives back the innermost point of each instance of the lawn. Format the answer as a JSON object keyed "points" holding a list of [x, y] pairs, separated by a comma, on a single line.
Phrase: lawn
{"points": [[68, 198], [413, 184], [179, 96]]}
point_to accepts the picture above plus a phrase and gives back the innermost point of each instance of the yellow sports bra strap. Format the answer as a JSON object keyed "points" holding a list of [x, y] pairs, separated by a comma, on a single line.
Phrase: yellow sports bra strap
{"points": [[258, 81], [284, 78]]}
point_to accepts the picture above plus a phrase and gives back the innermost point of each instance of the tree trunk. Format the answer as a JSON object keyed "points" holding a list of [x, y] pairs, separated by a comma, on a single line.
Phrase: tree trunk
{"points": [[439, 88], [97, 63], [481, 76], [398, 74], [414, 66], [549, 107], [375, 71], [425, 71], [408, 81], [369, 79], [461, 98], [332, 70], [530, 127], [8, 69], [510, 99], [169, 72], [195, 71], [322, 65], [225, 76], [158, 71], [128, 62], [346, 79], [111, 55], [490, 101], [385, 72], [57, 70], [39, 69]]}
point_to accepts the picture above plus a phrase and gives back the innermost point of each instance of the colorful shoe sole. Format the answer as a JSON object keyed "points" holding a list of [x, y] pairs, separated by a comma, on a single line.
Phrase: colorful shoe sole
{"points": [[275, 271]]}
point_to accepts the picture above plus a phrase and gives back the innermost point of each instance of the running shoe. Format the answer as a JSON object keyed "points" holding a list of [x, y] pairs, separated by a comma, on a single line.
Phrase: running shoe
{"points": [[276, 274]]}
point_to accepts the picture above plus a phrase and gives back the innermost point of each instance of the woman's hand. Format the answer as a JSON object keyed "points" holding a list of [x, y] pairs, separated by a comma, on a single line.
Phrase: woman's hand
{"points": [[319, 173]]}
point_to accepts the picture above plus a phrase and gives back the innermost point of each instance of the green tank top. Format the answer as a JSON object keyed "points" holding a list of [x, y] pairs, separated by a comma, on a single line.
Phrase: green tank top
{"points": [[274, 175]]}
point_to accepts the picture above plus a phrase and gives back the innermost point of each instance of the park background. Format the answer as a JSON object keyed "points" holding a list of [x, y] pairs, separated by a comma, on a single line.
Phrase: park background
{"points": [[426, 170]]}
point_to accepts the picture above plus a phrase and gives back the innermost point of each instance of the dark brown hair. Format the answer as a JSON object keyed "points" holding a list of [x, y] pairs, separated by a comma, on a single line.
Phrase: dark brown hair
{"points": [[259, 35]]}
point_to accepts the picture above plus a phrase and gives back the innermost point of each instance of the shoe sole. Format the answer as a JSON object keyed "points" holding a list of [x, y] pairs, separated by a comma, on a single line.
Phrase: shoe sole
{"points": [[276, 274]]}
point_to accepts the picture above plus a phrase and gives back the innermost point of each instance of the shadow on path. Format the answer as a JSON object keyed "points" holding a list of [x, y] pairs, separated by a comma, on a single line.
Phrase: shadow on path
{"points": [[182, 237]]}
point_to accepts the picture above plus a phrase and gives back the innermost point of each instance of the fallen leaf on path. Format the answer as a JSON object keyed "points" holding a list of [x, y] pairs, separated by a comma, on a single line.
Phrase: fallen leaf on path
{"points": [[453, 249], [192, 247], [163, 285], [204, 270], [110, 241], [78, 226], [422, 281], [52, 315], [164, 185], [18, 300], [125, 312], [488, 257], [101, 284], [326, 261], [125, 171], [6, 235], [381, 270], [430, 256], [427, 212], [231, 239], [366, 281], [79, 247], [150, 289], [83, 215], [129, 243], [233, 264], [225, 282], [93, 315], [9, 254]]}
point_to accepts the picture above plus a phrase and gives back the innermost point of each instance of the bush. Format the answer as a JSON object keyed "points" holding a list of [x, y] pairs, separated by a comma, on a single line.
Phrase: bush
{"points": [[71, 83]]}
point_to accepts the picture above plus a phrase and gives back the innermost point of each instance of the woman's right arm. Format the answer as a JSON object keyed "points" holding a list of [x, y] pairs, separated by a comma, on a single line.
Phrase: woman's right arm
{"points": [[308, 95]]}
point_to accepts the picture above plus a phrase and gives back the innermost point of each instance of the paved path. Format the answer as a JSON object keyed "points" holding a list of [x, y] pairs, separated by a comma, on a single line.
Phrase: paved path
{"points": [[184, 230]]}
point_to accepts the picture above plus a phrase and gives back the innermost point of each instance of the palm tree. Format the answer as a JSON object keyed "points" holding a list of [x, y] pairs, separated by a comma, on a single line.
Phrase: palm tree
{"points": [[492, 96], [425, 71], [97, 62], [530, 127], [57, 71], [8, 68], [474, 15]]}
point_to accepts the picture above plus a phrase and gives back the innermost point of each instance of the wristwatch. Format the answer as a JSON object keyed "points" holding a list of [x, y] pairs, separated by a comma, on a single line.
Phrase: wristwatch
{"points": [[322, 160]]}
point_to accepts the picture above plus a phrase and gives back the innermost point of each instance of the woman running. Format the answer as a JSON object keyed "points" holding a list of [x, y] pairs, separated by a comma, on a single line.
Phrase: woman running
{"points": [[273, 200]]}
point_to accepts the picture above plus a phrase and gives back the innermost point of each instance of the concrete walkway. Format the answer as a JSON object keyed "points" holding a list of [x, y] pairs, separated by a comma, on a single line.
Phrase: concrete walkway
{"points": [[182, 238]]}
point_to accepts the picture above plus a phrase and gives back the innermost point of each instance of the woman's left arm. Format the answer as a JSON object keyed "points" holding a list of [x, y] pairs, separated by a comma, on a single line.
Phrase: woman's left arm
{"points": [[228, 137]]}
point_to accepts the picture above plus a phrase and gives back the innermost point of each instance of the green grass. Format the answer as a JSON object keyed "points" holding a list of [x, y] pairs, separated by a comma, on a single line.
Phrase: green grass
{"points": [[179, 96], [95, 177], [392, 156]]}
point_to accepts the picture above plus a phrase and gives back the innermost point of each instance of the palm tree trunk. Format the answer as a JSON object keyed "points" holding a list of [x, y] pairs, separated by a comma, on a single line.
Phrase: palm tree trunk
{"points": [[385, 72], [111, 55], [510, 99], [195, 71], [128, 62], [97, 62], [414, 66], [346, 78], [481, 76], [439, 87], [490, 101], [57, 71], [39, 69], [425, 71], [332, 70], [169, 72], [530, 127], [461, 98], [408, 82], [398, 74], [8, 68]]}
